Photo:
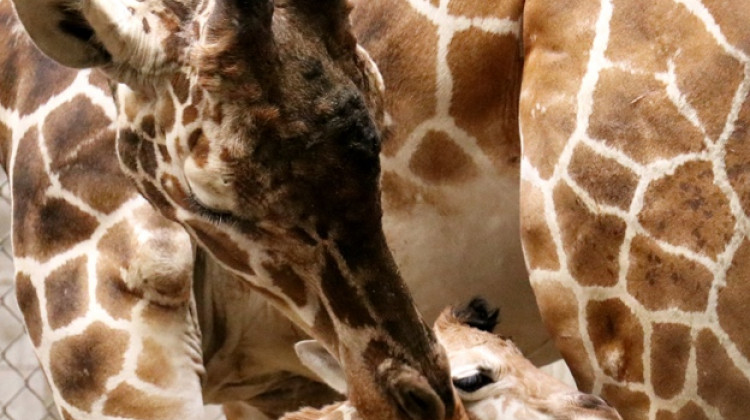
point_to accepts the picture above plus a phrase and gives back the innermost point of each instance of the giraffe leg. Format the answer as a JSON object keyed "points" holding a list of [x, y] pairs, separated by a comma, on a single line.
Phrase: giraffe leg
{"points": [[117, 336]]}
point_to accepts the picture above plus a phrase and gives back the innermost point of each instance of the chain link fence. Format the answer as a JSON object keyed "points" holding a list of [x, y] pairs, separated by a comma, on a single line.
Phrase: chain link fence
{"points": [[24, 393]]}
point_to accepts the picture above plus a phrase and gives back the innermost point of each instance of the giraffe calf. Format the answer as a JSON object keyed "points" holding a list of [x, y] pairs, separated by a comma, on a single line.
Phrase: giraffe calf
{"points": [[492, 377]]}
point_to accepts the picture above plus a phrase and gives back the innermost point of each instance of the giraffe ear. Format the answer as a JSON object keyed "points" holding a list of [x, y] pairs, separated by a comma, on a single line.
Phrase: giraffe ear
{"points": [[322, 363], [89, 33], [60, 30]]}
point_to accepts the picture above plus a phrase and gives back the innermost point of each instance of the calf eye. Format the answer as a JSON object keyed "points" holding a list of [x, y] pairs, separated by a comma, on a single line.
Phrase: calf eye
{"points": [[472, 383]]}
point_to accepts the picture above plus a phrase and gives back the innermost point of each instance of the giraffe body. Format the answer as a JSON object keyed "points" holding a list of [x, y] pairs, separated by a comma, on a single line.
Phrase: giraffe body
{"points": [[106, 283], [634, 198]]}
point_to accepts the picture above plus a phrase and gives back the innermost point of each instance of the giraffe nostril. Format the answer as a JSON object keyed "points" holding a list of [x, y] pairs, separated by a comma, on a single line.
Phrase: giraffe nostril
{"points": [[419, 402]]}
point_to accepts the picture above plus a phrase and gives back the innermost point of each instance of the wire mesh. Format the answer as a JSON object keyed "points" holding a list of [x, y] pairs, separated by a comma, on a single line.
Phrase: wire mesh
{"points": [[24, 393]]}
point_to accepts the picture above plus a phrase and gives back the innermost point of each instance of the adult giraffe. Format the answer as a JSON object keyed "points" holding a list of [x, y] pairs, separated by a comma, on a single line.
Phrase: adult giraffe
{"points": [[252, 123], [634, 199]]}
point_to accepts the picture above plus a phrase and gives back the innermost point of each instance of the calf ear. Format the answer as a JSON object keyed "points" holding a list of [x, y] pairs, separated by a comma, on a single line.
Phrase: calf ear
{"points": [[322, 363], [61, 31]]}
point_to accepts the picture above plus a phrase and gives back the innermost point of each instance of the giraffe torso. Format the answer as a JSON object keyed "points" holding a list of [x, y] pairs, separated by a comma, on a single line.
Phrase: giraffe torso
{"points": [[634, 198]]}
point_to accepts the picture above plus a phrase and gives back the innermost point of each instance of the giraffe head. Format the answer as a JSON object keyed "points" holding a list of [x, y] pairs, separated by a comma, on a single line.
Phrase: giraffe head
{"points": [[256, 125], [492, 377], [495, 380]]}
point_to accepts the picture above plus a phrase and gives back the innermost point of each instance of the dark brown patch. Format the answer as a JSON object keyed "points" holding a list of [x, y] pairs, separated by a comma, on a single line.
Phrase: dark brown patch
{"points": [[292, 285], [720, 382], [343, 297], [539, 248], [633, 113], [127, 149], [688, 209], [146, 26], [181, 87], [200, 147], [164, 153], [128, 402], [557, 37], [81, 364], [147, 157], [670, 352], [221, 246], [592, 242], [165, 115], [189, 114], [733, 300], [406, 62], [631, 405], [66, 415], [148, 126], [438, 160], [604, 179], [154, 365], [559, 310], [738, 156], [485, 93], [617, 337], [66, 292], [660, 280], [28, 302]]}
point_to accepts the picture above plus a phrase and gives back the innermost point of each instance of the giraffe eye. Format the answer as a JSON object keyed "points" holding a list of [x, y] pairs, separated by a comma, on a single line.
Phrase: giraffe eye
{"points": [[473, 382]]}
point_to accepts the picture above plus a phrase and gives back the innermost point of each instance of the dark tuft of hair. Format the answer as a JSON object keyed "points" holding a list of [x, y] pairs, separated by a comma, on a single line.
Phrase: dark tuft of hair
{"points": [[478, 314]]}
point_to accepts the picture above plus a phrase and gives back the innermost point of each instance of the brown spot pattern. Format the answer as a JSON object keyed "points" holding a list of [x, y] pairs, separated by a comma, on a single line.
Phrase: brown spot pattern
{"points": [[165, 116], [66, 291], [738, 157], [733, 300], [189, 114], [128, 402], [604, 179], [94, 174], [720, 382], [116, 251], [539, 248], [74, 122], [660, 280], [732, 21], [28, 302], [485, 93], [221, 246], [633, 113], [154, 365], [618, 338], [343, 297], [81, 364], [557, 38], [631, 405], [291, 284], [691, 411], [688, 209], [412, 97], [28, 77], [670, 352], [147, 158], [438, 160], [592, 241], [559, 310]]}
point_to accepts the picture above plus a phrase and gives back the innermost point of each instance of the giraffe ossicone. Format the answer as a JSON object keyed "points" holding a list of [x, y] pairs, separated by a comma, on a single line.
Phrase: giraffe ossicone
{"points": [[256, 125]]}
